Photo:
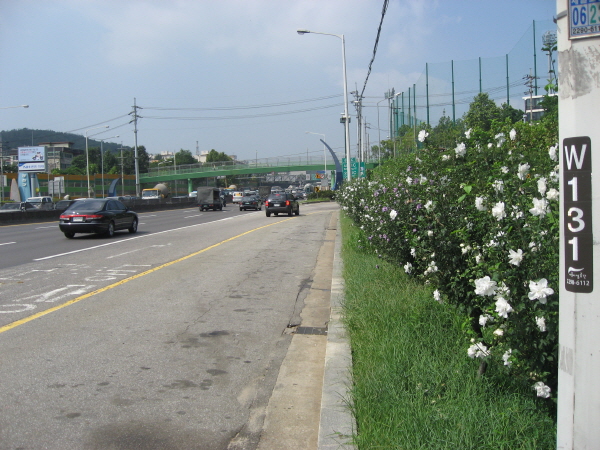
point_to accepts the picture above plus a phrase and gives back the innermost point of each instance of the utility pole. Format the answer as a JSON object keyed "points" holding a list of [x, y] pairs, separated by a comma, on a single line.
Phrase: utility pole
{"points": [[122, 171], [135, 156], [529, 82]]}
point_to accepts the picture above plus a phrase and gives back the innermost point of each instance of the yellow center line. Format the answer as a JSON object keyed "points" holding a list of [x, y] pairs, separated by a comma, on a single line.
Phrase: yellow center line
{"points": [[17, 323]]}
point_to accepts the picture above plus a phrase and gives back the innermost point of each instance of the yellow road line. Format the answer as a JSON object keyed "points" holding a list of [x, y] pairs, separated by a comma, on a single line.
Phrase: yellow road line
{"points": [[15, 324]]}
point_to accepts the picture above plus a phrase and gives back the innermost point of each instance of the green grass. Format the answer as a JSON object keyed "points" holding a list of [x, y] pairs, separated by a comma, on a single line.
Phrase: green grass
{"points": [[413, 385]]}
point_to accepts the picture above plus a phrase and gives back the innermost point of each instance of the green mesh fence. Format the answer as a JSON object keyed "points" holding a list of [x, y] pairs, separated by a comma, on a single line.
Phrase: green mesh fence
{"points": [[447, 88]]}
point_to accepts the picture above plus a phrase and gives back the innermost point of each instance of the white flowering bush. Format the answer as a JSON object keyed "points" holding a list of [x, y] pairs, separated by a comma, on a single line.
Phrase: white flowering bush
{"points": [[479, 223]]}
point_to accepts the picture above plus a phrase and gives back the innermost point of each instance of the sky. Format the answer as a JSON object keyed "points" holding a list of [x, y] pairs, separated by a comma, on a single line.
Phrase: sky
{"points": [[234, 75]]}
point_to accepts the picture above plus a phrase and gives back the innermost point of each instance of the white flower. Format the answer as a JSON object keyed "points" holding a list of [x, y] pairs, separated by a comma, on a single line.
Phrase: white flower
{"points": [[429, 233], [437, 296], [468, 133], [445, 157], [540, 290], [422, 135], [460, 150], [485, 286], [490, 145], [428, 205], [431, 268], [498, 211], [413, 252], [423, 179], [498, 186], [552, 194], [541, 323], [515, 258], [503, 290], [542, 186], [393, 214], [477, 351], [498, 332], [500, 138], [540, 207], [484, 318], [408, 267], [506, 357], [513, 134], [504, 169], [408, 180], [479, 203], [553, 153], [503, 307], [541, 389], [522, 171]]}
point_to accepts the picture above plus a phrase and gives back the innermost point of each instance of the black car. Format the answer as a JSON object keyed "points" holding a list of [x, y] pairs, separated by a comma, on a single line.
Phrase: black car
{"points": [[282, 203], [251, 202], [97, 215], [18, 206], [63, 205]]}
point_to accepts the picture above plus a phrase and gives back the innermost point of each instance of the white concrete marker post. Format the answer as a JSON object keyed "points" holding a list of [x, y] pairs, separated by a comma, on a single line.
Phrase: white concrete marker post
{"points": [[578, 40]]}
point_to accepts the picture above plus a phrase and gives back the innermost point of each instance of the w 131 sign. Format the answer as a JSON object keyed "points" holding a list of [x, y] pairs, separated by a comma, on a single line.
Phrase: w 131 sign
{"points": [[577, 201]]}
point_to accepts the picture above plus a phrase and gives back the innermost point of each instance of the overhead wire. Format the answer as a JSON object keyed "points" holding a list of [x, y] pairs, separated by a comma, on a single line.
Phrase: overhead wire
{"points": [[383, 11]]}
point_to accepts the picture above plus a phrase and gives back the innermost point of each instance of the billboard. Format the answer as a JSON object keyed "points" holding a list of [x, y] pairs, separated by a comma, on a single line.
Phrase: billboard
{"points": [[33, 159]]}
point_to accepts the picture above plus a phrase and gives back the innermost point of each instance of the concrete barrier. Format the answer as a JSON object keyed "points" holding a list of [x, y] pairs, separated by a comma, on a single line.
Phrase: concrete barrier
{"points": [[18, 217]]}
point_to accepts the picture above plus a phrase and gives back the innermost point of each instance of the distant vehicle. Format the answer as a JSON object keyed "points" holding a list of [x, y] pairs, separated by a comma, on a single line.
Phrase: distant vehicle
{"points": [[97, 215], [237, 196], [282, 203], [62, 205], [251, 202], [17, 206], [209, 198], [157, 192], [264, 192], [193, 194], [41, 202]]}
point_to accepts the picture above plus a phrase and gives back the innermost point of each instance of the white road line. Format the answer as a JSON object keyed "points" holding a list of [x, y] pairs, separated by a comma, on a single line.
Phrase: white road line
{"points": [[7, 243], [130, 239]]}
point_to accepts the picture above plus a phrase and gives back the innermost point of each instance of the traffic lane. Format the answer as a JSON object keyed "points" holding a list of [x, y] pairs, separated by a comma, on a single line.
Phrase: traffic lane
{"points": [[20, 244], [79, 270], [56, 278], [184, 357]]}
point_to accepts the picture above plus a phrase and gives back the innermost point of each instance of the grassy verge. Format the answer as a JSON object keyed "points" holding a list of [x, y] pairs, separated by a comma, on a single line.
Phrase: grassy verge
{"points": [[413, 385]]}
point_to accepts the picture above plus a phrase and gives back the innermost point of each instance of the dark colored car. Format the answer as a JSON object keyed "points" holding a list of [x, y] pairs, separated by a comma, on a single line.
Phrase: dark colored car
{"points": [[282, 203], [251, 202], [97, 215], [18, 206], [63, 205]]}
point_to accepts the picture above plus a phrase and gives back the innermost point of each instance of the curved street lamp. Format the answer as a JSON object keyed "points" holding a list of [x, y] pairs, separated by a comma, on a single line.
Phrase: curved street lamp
{"points": [[102, 158], [87, 157], [324, 152], [346, 116]]}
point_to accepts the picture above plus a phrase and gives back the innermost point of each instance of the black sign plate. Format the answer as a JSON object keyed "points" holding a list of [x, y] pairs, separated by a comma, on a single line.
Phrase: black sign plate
{"points": [[577, 213]]}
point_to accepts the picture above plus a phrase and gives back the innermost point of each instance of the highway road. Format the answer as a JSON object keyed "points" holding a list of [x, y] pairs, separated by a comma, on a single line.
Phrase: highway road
{"points": [[169, 338]]}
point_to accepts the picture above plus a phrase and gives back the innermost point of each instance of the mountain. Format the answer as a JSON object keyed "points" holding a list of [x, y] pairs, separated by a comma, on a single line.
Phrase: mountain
{"points": [[26, 137]]}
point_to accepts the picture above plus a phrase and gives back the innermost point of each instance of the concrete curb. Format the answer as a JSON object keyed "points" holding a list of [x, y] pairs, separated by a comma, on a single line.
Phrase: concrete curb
{"points": [[337, 423]]}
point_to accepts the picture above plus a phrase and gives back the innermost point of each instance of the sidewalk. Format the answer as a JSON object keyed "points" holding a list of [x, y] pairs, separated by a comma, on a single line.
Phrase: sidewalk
{"points": [[308, 408]]}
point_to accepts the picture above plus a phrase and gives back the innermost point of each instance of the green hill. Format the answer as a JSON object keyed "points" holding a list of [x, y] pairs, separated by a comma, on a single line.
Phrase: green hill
{"points": [[25, 137]]}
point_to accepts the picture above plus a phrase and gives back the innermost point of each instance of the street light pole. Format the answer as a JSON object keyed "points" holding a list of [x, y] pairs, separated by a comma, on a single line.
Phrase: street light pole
{"points": [[87, 158], [346, 117], [102, 159]]}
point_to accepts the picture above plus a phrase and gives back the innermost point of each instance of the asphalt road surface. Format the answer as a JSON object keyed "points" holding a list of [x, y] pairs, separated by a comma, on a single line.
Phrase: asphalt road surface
{"points": [[170, 338]]}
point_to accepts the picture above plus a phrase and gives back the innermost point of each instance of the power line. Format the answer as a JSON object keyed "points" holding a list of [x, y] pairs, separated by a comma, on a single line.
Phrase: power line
{"points": [[383, 11]]}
